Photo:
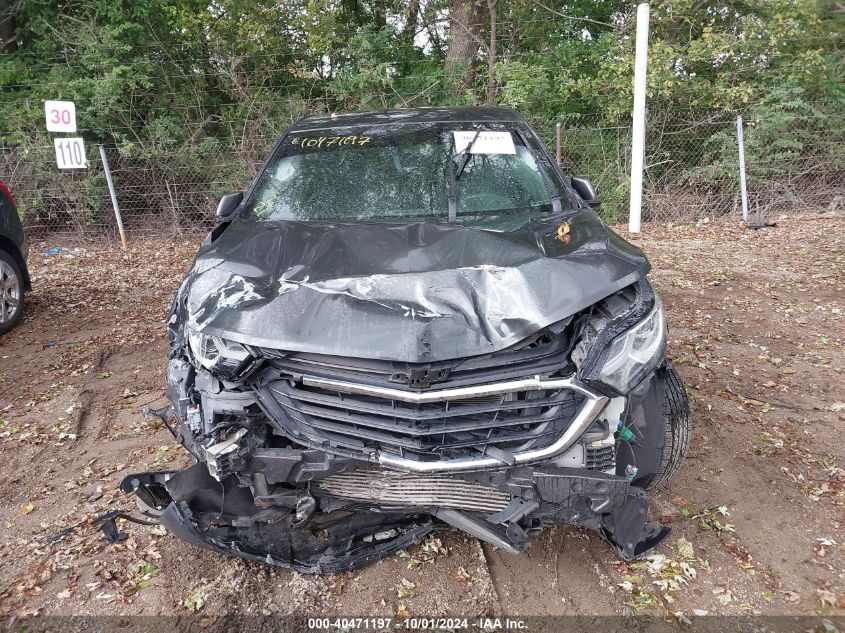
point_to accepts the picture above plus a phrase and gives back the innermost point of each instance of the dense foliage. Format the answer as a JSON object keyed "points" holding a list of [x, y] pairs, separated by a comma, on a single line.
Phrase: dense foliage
{"points": [[172, 82]]}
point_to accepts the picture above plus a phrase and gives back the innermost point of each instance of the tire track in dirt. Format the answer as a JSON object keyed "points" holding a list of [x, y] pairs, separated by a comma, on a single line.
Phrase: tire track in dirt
{"points": [[566, 571]]}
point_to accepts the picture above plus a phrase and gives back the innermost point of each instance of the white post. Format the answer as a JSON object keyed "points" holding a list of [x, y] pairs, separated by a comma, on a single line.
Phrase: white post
{"points": [[638, 116], [740, 139]]}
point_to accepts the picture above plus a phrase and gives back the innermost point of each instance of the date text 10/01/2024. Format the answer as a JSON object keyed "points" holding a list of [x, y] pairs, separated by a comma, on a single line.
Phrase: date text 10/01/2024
{"points": [[487, 625]]}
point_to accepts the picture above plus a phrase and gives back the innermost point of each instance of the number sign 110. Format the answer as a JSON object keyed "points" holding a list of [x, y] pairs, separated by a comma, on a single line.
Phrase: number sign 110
{"points": [[70, 153]]}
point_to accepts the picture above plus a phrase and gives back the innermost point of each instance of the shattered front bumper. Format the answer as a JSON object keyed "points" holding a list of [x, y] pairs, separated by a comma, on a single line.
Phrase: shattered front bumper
{"points": [[365, 513]]}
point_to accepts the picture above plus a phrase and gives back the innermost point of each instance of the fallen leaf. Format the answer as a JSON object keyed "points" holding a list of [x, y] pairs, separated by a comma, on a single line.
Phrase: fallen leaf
{"points": [[680, 617], [826, 598], [461, 575], [685, 548], [195, 601]]}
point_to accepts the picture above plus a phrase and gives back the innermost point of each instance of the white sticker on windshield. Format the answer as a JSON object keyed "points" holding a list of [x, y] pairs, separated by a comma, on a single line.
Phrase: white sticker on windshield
{"points": [[486, 143]]}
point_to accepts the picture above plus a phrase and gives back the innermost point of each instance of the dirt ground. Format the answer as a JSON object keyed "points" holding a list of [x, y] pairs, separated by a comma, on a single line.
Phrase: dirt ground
{"points": [[757, 322]]}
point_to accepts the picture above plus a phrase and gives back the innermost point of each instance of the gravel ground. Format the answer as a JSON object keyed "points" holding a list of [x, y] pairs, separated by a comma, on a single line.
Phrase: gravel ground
{"points": [[756, 330]]}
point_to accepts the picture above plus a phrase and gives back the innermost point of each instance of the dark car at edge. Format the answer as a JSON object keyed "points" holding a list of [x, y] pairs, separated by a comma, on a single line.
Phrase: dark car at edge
{"points": [[413, 320], [14, 275]]}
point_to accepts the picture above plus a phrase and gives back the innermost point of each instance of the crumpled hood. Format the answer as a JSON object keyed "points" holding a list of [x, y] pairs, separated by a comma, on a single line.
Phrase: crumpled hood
{"points": [[409, 292]]}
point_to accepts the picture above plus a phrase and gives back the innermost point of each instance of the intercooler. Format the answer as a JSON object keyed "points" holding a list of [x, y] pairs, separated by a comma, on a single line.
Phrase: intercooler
{"points": [[412, 490]]}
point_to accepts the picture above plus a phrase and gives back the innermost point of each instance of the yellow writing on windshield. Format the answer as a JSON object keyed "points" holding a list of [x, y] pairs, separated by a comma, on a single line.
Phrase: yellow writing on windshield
{"points": [[323, 142]]}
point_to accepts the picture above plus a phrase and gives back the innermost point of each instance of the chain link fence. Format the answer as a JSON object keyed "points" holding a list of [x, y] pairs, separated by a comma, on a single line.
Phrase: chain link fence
{"points": [[692, 172]]}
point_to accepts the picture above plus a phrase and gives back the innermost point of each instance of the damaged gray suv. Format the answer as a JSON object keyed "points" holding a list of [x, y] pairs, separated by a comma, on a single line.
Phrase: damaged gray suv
{"points": [[412, 320]]}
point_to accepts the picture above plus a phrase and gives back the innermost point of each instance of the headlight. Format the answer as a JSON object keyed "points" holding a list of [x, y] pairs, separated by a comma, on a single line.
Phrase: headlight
{"points": [[217, 354], [628, 358]]}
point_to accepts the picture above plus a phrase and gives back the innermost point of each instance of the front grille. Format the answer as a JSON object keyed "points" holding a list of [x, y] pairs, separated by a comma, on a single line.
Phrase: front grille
{"points": [[494, 425], [397, 489]]}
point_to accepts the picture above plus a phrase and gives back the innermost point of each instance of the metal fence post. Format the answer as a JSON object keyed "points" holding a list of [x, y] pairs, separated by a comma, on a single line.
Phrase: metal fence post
{"points": [[740, 139], [113, 196]]}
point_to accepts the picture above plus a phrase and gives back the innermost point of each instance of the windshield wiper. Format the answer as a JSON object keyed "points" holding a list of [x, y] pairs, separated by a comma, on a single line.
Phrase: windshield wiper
{"points": [[465, 156]]}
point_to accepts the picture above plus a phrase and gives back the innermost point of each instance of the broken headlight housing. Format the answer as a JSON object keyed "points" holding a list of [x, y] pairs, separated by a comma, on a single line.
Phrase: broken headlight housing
{"points": [[218, 355], [629, 348]]}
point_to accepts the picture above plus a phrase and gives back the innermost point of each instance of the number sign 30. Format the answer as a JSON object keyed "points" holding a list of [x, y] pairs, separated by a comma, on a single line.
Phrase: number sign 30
{"points": [[61, 116]]}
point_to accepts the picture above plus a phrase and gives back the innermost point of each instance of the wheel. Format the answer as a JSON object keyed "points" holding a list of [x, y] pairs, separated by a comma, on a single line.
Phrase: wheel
{"points": [[678, 427], [11, 292], [662, 426]]}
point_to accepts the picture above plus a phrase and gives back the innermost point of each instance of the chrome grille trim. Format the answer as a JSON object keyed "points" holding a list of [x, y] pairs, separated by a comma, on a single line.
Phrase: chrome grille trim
{"points": [[440, 395], [593, 405]]}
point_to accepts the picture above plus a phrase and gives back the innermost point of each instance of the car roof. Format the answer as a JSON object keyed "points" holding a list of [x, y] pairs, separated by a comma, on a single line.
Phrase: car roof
{"points": [[409, 115]]}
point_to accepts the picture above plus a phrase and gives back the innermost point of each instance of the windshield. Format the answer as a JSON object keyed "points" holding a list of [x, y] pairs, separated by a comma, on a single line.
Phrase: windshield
{"points": [[393, 172]]}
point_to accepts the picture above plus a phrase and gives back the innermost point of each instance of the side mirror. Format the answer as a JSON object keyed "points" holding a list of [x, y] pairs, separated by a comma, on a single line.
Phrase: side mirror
{"points": [[585, 189], [227, 205]]}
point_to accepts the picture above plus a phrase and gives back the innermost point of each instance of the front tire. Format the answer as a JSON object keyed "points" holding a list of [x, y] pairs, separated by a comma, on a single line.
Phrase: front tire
{"points": [[659, 418], [678, 428], [11, 292]]}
